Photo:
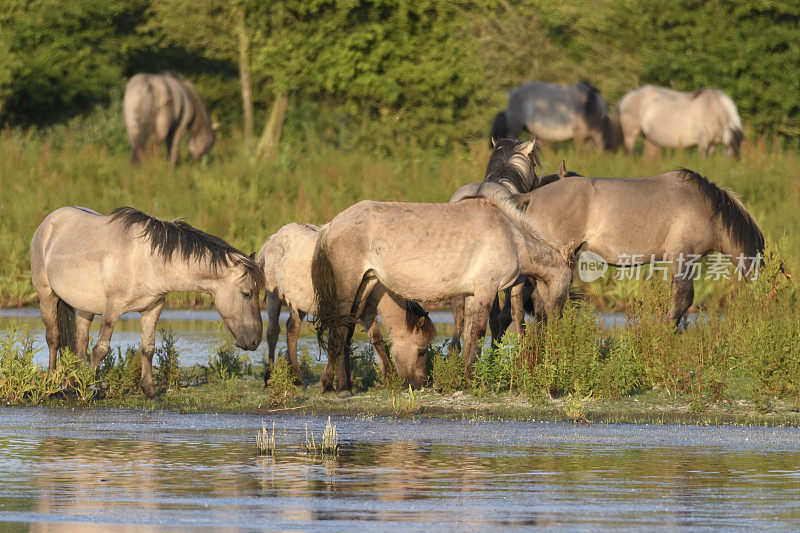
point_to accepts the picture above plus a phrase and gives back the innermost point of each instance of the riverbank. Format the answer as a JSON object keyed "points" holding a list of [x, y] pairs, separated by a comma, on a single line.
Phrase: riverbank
{"points": [[248, 396]]}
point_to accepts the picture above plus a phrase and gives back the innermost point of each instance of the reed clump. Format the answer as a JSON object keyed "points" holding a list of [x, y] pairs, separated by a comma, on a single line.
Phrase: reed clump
{"points": [[265, 441], [327, 447]]}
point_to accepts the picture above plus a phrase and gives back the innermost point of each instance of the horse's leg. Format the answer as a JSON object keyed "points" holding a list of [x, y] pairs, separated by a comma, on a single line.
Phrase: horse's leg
{"points": [[174, 143], [101, 347], [83, 322], [149, 321], [494, 317], [682, 294], [273, 331], [458, 323], [293, 324], [379, 345], [344, 334], [477, 309], [48, 307], [651, 149], [517, 308]]}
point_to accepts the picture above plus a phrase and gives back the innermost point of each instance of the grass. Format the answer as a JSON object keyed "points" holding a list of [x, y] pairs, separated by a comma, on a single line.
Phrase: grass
{"points": [[244, 200]]}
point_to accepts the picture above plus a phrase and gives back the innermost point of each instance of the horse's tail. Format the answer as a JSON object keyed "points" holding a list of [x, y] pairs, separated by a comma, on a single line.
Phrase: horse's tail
{"points": [[744, 241], [323, 278], [139, 106], [733, 133], [65, 314], [499, 128]]}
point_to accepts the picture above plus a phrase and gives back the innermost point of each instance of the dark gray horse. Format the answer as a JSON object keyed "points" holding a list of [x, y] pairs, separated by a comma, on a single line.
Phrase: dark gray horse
{"points": [[167, 106], [558, 113]]}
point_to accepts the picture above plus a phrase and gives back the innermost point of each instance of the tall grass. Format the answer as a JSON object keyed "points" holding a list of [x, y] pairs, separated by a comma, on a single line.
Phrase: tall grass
{"points": [[244, 200]]}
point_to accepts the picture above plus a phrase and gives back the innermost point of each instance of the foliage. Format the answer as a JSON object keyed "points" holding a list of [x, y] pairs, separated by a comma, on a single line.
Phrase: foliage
{"points": [[328, 446], [363, 367], [120, 375], [281, 382], [447, 371], [225, 360], [167, 374], [265, 442], [404, 404]]}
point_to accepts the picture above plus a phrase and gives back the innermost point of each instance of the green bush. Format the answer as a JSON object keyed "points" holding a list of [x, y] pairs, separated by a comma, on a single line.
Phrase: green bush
{"points": [[226, 361]]}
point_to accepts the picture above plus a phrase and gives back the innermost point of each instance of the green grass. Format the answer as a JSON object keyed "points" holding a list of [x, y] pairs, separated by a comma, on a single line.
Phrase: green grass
{"points": [[244, 200]]}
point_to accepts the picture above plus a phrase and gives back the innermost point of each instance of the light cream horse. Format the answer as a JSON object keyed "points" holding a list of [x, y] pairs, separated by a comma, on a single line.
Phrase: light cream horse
{"points": [[679, 119], [286, 260], [429, 253], [129, 261]]}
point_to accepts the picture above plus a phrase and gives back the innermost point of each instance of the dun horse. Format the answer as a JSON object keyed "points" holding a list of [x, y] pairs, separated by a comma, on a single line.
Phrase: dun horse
{"points": [[558, 113], [129, 261], [286, 260], [429, 253], [678, 217], [673, 118], [167, 107]]}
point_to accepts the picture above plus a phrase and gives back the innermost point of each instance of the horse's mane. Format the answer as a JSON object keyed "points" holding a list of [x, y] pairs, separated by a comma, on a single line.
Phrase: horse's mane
{"points": [[166, 238], [742, 227], [414, 312], [510, 209], [595, 103], [201, 121], [506, 166]]}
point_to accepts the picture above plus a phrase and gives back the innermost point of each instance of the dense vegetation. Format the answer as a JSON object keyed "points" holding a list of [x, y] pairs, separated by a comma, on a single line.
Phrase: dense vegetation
{"points": [[433, 70]]}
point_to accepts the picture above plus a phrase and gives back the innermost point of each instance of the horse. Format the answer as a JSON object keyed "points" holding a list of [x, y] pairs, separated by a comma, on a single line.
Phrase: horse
{"points": [[511, 169], [667, 117], [167, 106], [558, 113], [129, 261], [429, 253], [286, 261], [502, 164], [678, 216]]}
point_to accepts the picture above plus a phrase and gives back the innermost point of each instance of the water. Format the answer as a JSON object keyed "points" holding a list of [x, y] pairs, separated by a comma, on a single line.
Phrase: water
{"points": [[197, 332], [93, 469]]}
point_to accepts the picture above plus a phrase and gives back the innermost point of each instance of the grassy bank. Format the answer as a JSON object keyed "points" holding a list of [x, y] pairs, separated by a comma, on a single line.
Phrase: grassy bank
{"points": [[740, 366], [244, 200]]}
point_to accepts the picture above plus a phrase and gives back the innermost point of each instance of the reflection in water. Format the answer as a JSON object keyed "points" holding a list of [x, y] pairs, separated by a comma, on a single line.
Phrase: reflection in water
{"points": [[62, 469]]}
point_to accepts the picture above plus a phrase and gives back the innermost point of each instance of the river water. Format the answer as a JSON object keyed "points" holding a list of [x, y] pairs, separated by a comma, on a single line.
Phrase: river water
{"points": [[197, 332], [88, 470]]}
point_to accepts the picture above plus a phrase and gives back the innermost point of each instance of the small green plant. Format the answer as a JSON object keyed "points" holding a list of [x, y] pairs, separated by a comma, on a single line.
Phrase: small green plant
{"points": [[121, 374], [404, 404], [447, 371], [281, 381], [310, 370], [226, 361], [328, 447], [364, 369], [574, 408], [167, 376], [265, 442]]}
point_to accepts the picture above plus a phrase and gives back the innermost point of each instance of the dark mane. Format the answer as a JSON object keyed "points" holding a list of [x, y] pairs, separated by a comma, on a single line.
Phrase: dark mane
{"points": [[414, 312], [742, 227], [501, 170], [166, 238], [595, 103]]}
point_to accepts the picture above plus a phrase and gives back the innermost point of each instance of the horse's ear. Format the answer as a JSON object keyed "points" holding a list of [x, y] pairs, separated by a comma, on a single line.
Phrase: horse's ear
{"points": [[253, 256], [562, 170], [420, 323], [527, 148], [494, 142], [522, 201]]}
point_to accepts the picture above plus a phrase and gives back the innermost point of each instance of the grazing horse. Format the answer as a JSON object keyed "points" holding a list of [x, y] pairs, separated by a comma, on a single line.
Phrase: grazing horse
{"points": [[511, 169], [167, 106], [429, 253], [129, 261], [286, 260], [678, 119], [677, 217], [558, 113]]}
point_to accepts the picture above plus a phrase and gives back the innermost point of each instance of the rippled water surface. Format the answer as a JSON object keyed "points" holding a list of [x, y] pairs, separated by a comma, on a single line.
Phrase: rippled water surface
{"points": [[96, 469]]}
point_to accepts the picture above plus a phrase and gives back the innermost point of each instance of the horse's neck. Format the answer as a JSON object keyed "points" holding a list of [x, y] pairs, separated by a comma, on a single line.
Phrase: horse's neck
{"points": [[179, 275]]}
